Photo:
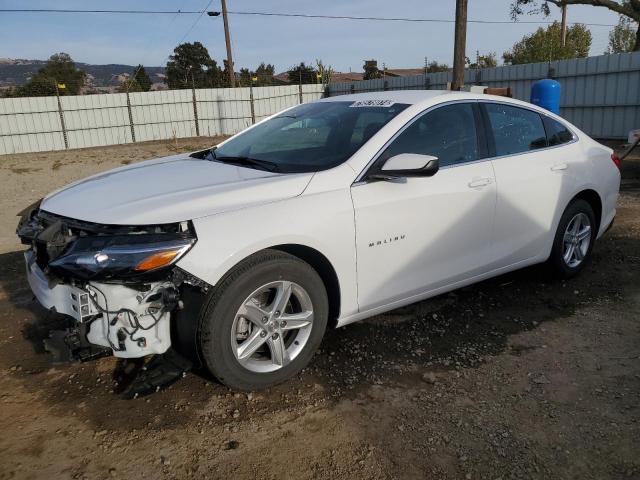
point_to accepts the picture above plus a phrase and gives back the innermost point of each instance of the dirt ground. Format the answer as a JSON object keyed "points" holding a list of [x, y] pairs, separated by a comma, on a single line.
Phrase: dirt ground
{"points": [[517, 377]]}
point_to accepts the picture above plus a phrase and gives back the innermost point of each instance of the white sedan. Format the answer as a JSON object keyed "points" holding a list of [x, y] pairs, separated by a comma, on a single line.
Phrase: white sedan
{"points": [[239, 257]]}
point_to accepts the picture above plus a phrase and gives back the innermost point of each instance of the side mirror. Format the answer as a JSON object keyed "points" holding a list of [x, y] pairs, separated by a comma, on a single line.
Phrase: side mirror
{"points": [[408, 165]]}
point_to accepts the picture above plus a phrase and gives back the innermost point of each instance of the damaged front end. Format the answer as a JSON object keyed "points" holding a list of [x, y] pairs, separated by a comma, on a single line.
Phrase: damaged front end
{"points": [[119, 283]]}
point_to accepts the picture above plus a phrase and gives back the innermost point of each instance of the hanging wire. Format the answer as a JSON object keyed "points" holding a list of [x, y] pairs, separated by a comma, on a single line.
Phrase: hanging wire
{"points": [[291, 15]]}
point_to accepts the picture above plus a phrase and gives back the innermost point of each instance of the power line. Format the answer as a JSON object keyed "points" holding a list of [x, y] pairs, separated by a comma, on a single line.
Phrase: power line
{"points": [[406, 19], [296, 15], [201, 14], [61, 10], [181, 39]]}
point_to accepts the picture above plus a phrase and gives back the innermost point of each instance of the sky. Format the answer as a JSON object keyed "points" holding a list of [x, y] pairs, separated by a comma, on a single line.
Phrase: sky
{"points": [[343, 44]]}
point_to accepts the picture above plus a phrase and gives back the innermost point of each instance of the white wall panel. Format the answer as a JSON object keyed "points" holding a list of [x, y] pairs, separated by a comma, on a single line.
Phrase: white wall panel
{"points": [[601, 95], [95, 120], [29, 125], [33, 124]]}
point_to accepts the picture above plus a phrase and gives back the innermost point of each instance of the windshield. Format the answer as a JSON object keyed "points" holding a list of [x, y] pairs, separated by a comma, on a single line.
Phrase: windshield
{"points": [[309, 137]]}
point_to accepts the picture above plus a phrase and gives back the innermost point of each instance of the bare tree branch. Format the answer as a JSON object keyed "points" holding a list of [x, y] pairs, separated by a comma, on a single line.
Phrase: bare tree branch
{"points": [[631, 8]]}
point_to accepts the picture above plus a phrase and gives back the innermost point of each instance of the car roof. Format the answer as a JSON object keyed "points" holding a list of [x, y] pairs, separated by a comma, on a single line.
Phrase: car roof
{"points": [[430, 97], [398, 96], [414, 97]]}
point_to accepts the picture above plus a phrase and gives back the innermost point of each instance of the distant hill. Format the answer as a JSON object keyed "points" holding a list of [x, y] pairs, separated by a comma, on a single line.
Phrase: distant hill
{"points": [[15, 72]]}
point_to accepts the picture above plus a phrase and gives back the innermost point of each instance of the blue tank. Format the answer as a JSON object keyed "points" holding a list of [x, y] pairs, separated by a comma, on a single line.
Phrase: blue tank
{"points": [[546, 94]]}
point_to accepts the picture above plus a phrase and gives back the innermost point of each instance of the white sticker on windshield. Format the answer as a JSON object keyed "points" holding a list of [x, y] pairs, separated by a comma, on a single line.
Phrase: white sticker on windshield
{"points": [[372, 103]]}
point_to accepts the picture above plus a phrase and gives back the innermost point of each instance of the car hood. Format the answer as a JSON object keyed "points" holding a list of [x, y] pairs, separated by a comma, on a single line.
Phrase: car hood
{"points": [[170, 189]]}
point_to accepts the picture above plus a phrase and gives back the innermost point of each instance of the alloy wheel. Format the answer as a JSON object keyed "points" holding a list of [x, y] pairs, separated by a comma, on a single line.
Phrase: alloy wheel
{"points": [[576, 241], [272, 326]]}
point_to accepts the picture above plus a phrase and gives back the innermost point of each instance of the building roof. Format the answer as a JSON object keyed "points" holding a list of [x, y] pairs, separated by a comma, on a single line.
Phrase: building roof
{"points": [[403, 72], [338, 77]]}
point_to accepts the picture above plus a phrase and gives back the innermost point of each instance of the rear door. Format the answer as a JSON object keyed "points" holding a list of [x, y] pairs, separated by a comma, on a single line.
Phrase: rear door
{"points": [[417, 234], [533, 177]]}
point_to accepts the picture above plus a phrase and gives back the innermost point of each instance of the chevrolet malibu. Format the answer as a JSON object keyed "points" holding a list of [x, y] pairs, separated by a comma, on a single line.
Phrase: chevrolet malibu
{"points": [[239, 257]]}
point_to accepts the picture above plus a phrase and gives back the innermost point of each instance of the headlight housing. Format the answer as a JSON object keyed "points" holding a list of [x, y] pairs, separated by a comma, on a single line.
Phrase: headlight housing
{"points": [[121, 256]]}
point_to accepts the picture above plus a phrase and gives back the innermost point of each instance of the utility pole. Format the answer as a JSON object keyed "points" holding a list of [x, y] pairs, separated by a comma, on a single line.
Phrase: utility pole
{"points": [[426, 73], [227, 39], [459, 45], [564, 26]]}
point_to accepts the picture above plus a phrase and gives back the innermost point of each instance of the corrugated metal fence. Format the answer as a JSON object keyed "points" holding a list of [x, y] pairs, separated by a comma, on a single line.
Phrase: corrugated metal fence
{"points": [[600, 95], [48, 123]]}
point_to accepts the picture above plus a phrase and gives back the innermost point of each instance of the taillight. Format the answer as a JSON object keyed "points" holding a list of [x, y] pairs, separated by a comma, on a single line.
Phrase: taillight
{"points": [[616, 160]]}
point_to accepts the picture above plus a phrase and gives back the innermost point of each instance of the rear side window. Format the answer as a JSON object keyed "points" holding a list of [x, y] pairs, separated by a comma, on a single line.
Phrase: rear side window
{"points": [[448, 132], [515, 130], [557, 134]]}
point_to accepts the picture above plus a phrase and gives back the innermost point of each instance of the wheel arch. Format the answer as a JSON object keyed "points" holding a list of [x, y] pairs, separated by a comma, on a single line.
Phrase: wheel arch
{"points": [[311, 255], [594, 200], [589, 195], [321, 264], [185, 331]]}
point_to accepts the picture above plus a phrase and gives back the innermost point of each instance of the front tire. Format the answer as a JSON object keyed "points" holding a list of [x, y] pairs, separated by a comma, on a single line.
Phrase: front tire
{"points": [[574, 239], [264, 322]]}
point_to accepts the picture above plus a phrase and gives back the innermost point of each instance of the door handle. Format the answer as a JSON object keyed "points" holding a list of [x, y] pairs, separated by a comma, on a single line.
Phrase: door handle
{"points": [[559, 166], [480, 182]]}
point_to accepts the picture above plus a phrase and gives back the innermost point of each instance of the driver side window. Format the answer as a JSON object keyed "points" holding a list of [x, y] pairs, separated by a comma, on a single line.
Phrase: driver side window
{"points": [[448, 132]]}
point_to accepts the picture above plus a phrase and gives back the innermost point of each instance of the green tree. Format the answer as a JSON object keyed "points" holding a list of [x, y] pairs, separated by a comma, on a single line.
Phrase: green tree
{"points": [[371, 71], [60, 69], [545, 44], [265, 73], [245, 77], [302, 74], [10, 92], [627, 8], [622, 38], [435, 67], [484, 61], [324, 72], [129, 85], [190, 65], [143, 80], [39, 86]]}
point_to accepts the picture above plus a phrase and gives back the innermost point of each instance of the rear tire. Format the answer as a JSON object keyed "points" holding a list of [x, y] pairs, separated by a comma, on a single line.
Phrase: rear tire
{"points": [[264, 322], [574, 239]]}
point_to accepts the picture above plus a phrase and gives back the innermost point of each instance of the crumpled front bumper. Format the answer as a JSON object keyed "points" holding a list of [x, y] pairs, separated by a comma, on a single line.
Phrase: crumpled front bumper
{"points": [[65, 299], [117, 316]]}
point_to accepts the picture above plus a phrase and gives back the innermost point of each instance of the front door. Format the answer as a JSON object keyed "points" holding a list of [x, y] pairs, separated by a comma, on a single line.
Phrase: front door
{"points": [[417, 234]]}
